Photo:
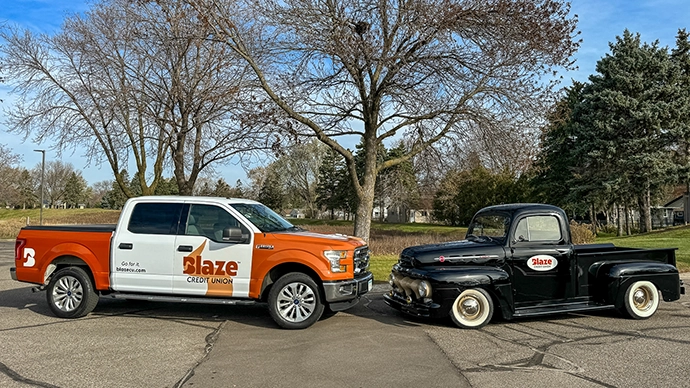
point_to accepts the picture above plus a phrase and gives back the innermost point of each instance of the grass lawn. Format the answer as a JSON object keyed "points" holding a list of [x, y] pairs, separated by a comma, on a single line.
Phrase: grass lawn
{"points": [[677, 237]]}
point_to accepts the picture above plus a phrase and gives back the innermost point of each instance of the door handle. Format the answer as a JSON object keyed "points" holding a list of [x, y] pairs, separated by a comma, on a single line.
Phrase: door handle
{"points": [[125, 246], [563, 250], [184, 248]]}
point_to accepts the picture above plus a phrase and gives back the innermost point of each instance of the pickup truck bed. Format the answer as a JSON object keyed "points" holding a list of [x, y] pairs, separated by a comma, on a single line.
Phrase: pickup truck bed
{"points": [[89, 242]]}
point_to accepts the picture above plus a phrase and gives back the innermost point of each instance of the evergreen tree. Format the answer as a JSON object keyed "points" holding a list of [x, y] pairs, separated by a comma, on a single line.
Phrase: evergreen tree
{"points": [[28, 189], [680, 133], [167, 187], [622, 123], [556, 162], [327, 186], [463, 193], [271, 193], [115, 198], [222, 189], [75, 190]]}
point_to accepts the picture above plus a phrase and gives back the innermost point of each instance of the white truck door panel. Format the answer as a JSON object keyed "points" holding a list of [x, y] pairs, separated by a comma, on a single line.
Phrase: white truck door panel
{"points": [[212, 268], [143, 250], [204, 264]]}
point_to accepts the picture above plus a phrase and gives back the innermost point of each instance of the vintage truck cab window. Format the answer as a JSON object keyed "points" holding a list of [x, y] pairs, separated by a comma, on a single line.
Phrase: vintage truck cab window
{"points": [[538, 228], [493, 227]]}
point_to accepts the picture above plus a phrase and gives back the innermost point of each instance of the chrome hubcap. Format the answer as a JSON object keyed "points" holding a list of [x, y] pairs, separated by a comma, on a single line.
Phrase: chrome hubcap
{"points": [[469, 307], [642, 298], [68, 293], [296, 302]]}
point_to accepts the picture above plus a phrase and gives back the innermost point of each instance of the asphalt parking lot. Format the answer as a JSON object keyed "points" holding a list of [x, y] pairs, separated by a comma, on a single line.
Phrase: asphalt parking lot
{"points": [[136, 344]]}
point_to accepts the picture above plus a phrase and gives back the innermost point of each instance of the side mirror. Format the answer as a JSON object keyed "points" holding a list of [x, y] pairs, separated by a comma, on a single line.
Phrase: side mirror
{"points": [[233, 235]]}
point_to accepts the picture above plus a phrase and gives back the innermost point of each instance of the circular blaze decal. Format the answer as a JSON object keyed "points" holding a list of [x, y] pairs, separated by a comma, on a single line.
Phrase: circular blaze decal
{"points": [[441, 259], [542, 262]]}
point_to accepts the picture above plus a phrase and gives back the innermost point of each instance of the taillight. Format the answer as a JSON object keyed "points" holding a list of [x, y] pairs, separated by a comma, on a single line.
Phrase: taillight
{"points": [[19, 249]]}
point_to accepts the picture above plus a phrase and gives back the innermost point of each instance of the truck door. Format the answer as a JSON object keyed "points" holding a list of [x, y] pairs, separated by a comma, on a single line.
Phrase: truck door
{"points": [[204, 264], [142, 249], [541, 261]]}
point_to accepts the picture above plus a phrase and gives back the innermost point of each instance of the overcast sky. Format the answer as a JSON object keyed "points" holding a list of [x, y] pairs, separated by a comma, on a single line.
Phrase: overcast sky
{"points": [[600, 21]]}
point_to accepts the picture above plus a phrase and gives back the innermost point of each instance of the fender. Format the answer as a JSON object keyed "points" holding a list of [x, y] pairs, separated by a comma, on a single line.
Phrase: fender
{"points": [[452, 280], [264, 261], [74, 250], [614, 278]]}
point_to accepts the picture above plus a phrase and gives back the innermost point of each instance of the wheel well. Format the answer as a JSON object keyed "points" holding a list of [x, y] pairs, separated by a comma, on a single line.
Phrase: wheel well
{"points": [[67, 261], [278, 271]]}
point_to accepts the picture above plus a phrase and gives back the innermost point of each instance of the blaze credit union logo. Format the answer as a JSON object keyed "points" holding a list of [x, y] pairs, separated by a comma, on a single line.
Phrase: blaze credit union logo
{"points": [[215, 274], [542, 262]]}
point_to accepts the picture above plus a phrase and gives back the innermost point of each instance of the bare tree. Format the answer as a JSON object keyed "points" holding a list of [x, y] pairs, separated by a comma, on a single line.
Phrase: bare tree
{"points": [[98, 191], [298, 168], [424, 69], [198, 92], [57, 174], [10, 174], [132, 82]]}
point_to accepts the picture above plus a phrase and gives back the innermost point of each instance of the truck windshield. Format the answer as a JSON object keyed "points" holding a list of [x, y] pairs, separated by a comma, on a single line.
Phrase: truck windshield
{"points": [[491, 227], [263, 218]]}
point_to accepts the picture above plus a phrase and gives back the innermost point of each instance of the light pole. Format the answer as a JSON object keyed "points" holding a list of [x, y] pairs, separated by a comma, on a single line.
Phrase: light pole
{"points": [[43, 173]]}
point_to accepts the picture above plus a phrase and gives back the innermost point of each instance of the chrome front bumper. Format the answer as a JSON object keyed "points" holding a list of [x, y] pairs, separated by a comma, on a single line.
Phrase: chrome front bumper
{"points": [[348, 289]]}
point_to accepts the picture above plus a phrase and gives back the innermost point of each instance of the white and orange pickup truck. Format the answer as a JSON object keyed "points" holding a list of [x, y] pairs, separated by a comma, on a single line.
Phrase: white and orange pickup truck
{"points": [[199, 250]]}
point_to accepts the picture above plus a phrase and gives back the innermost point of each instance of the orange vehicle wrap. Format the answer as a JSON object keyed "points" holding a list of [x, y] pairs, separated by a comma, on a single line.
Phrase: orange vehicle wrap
{"points": [[271, 250], [93, 248]]}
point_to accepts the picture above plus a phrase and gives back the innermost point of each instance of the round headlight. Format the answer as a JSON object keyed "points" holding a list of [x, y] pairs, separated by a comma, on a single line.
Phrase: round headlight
{"points": [[390, 280], [424, 289]]}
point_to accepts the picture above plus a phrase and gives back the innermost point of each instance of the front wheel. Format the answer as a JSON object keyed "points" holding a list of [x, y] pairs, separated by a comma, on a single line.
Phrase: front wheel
{"points": [[294, 301], [472, 309], [641, 300], [71, 293]]}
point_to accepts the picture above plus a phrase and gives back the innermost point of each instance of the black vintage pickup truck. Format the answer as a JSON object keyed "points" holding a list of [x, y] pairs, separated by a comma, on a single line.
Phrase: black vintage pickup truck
{"points": [[518, 260]]}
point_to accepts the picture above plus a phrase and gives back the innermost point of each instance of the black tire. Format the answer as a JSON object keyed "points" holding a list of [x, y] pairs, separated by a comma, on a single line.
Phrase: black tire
{"points": [[294, 301], [641, 300], [71, 293], [472, 309]]}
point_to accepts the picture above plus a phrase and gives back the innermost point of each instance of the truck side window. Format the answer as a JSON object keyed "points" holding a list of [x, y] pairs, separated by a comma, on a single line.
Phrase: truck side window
{"points": [[155, 218], [209, 221], [538, 228]]}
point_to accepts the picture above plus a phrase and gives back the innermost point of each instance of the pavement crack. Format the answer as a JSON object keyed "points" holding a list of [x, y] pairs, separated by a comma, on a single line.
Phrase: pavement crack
{"points": [[458, 369], [4, 369], [211, 339]]}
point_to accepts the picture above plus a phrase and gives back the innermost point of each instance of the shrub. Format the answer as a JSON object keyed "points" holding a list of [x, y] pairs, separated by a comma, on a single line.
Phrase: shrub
{"points": [[581, 233]]}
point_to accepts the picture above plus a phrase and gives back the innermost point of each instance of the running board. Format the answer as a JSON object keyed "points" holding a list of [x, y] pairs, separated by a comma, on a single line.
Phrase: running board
{"points": [[182, 299], [571, 308]]}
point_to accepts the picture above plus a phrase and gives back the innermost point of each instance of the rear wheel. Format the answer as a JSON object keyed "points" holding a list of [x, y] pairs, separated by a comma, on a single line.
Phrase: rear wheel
{"points": [[641, 300], [71, 293], [294, 301], [472, 309]]}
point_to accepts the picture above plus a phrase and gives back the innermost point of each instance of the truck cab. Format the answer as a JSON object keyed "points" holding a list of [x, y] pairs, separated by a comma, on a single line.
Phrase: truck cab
{"points": [[195, 249], [518, 259]]}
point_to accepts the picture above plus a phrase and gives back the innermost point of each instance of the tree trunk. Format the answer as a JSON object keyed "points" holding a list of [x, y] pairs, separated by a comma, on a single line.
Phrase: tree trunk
{"points": [[363, 215], [619, 219], [644, 204], [593, 218]]}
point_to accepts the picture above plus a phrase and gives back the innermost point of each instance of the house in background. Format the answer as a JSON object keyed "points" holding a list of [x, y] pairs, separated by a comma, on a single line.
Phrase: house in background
{"points": [[678, 206]]}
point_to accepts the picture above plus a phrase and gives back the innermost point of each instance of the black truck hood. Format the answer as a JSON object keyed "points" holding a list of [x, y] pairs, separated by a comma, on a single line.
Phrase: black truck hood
{"points": [[453, 253]]}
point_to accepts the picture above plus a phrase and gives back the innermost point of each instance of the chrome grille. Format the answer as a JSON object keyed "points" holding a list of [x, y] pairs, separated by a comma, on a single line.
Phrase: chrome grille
{"points": [[361, 260]]}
